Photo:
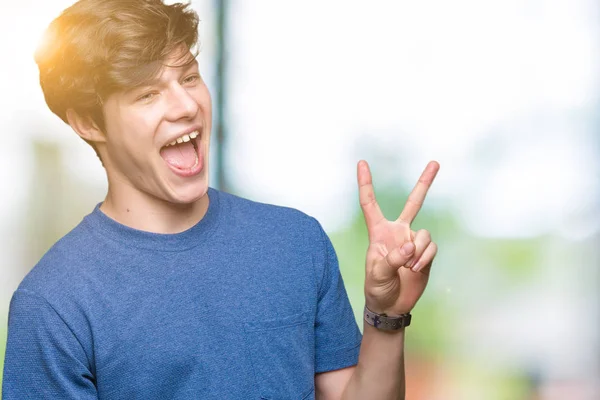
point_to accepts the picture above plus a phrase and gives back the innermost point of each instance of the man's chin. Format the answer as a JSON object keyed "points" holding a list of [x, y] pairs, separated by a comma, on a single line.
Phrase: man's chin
{"points": [[189, 195]]}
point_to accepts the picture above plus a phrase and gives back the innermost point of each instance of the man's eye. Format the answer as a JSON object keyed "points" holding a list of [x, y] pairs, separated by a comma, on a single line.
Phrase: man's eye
{"points": [[146, 97], [191, 79]]}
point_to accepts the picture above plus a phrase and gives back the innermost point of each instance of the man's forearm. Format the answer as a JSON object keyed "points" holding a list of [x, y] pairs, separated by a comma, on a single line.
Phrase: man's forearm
{"points": [[380, 370]]}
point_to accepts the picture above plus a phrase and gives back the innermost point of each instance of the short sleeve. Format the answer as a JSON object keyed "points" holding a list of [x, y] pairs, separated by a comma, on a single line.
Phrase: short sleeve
{"points": [[337, 335], [44, 359]]}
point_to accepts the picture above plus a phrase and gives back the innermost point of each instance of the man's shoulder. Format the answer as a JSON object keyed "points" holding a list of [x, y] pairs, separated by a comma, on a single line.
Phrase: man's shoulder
{"points": [[63, 265], [278, 219]]}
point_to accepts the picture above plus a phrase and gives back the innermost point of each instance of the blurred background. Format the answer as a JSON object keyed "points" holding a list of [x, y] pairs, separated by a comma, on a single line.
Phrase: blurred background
{"points": [[503, 93]]}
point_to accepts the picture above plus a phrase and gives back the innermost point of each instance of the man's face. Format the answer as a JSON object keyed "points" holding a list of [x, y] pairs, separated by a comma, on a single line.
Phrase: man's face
{"points": [[141, 127]]}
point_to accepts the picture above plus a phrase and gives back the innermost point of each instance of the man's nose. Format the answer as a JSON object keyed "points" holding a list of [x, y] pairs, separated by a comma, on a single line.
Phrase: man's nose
{"points": [[180, 104]]}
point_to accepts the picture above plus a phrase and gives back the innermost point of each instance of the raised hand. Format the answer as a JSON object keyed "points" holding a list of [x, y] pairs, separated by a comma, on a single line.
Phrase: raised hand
{"points": [[398, 259]]}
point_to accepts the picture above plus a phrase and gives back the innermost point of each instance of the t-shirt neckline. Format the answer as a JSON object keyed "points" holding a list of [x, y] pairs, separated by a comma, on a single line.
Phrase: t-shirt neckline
{"points": [[108, 227]]}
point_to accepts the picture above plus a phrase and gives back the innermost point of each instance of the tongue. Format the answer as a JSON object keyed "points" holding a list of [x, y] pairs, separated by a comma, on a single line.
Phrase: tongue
{"points": [[182, 156]]}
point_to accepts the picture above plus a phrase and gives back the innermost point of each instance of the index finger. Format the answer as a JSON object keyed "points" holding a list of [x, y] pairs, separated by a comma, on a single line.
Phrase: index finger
{"points": [[366, 196], [417, 196]]}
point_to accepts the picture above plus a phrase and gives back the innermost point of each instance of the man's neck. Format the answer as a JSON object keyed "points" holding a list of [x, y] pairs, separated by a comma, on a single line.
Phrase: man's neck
{"points": [[141, 212]]}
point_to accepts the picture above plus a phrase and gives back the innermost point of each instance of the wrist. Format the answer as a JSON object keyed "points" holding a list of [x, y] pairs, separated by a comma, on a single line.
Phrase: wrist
{"points": [[385, 322], [390, 311]]}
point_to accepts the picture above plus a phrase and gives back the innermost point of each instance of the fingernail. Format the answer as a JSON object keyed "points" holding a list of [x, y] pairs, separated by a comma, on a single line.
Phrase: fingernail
{"points": [[408, 248], [416, 267]]}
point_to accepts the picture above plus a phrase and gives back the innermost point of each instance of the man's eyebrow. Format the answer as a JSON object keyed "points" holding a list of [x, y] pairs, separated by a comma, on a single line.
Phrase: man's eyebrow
{"points": [[193, 63]]}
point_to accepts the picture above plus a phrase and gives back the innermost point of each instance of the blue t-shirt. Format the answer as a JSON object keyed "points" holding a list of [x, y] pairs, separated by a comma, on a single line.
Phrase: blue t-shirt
{"points": [[247, 304]]}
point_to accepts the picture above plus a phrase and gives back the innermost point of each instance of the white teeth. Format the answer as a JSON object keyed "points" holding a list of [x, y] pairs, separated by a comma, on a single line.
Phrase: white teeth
{"points": [[196, 154], [185, 138]]}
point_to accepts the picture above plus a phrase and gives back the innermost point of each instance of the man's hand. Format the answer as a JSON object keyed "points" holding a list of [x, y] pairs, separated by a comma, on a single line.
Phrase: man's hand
{"points": [[398, 259]]}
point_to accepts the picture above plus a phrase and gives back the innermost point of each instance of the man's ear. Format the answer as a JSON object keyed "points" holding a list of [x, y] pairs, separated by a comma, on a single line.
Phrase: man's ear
{"points": [[85, 127]]}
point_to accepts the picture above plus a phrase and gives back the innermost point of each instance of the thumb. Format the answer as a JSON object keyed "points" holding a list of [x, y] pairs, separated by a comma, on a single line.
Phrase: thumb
{"points": [[387, 268], [400, 255]]}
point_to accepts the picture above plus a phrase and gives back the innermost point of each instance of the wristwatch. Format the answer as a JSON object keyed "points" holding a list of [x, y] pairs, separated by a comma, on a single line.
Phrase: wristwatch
{"points": [[385, 323]]}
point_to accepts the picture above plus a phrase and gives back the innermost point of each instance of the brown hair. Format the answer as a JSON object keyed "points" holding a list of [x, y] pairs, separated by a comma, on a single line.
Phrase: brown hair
{"points": [[98, 47]]}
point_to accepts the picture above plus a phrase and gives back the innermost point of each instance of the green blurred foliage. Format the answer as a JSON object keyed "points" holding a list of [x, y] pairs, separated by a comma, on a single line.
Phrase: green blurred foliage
{"points": [[518, 259]]}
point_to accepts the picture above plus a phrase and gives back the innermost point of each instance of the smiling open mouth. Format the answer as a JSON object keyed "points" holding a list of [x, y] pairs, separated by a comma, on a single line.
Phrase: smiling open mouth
{"points": [[182, 153]]}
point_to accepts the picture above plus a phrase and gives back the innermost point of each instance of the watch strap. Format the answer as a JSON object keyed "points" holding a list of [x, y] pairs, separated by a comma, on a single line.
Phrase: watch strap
{"points": [[385, 323]]}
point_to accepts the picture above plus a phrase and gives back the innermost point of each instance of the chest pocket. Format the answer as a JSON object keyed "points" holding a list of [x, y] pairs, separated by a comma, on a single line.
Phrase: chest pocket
{"points": [[282, 353]]}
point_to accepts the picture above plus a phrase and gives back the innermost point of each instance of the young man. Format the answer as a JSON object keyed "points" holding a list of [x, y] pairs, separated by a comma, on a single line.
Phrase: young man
{"points": [[170, 289]]}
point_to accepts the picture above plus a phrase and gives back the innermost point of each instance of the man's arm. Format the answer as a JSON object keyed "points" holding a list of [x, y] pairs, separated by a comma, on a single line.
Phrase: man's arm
{"points": [[397, 265], [331, 385], [378, 375], [44, 359]]}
